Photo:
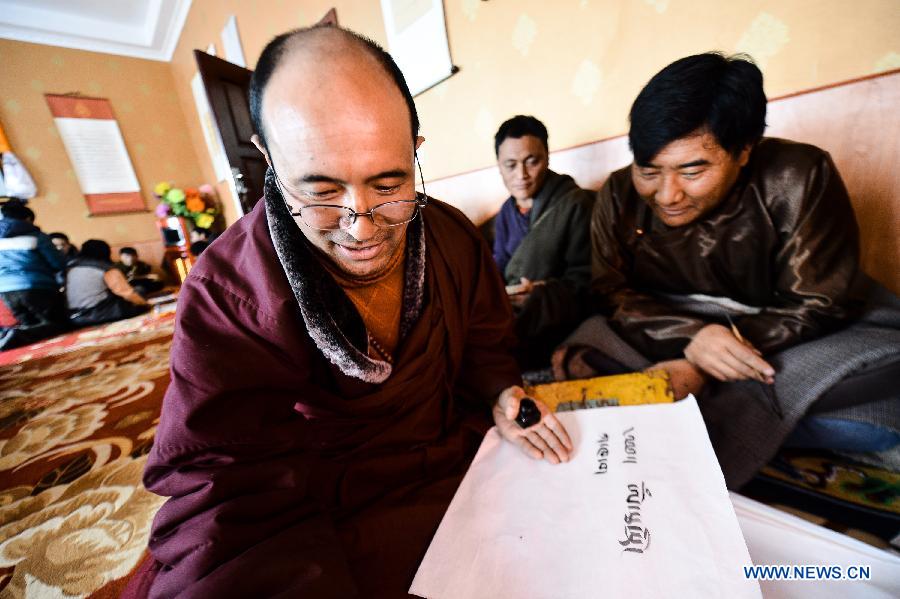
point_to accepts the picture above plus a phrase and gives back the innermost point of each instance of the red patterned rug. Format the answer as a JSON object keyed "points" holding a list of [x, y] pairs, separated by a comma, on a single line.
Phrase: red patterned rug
{"points": [[77, 418], [89, 337]]}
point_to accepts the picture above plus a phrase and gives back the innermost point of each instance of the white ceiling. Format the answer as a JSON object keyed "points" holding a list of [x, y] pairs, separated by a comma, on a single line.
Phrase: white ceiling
{"points": [[139, 28]]}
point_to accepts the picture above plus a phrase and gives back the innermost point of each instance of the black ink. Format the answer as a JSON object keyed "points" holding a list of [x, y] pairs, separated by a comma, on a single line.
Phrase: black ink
{"points": [[637, 538], [529, 415], [602, 453], [630, 446]]}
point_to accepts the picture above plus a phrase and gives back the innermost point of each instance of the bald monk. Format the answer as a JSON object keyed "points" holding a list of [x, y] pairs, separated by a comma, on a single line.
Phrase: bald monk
{"points": [[339, 353]]}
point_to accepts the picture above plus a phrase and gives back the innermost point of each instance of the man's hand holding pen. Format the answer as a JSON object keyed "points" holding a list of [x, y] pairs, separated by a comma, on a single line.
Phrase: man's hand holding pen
{"points": [[725, 355]]}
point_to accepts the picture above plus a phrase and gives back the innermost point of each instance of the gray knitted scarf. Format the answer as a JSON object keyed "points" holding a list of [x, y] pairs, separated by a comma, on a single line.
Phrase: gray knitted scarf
{"points": [[331, 319]]}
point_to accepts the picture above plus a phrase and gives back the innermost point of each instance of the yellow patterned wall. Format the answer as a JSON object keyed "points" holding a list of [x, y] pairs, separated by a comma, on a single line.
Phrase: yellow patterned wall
{"points": [[575, 64], [258, 22], [150, 117]]}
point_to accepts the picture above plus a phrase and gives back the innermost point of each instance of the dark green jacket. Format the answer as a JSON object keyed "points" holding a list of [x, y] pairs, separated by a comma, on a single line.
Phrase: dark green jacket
{"points": [[556, 250]]}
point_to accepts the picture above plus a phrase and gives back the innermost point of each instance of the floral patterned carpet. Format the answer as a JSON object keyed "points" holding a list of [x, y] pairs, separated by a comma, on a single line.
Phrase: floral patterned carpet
{"points": [[93, 336], [77, 418]]}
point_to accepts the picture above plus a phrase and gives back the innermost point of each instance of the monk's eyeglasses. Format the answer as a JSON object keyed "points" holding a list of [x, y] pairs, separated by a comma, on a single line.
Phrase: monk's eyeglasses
{"points": [[328, 217]]}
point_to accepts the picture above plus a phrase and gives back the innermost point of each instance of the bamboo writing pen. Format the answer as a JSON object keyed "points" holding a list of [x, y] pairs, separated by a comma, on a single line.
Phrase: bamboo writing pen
{"points": [[767, 389]]}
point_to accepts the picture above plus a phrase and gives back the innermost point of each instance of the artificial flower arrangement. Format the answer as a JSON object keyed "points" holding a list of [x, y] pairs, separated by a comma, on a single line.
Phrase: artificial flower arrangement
{"points": [[197, 204]]}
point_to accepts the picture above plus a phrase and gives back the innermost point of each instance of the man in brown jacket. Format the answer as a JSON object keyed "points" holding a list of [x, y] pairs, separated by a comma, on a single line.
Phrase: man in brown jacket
{"points": [[719, 256]]}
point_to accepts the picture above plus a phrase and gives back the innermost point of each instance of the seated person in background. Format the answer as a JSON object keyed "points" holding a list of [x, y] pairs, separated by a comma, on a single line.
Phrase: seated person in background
{"points": [[66, 248], [29, 265], [97, 291], [541, 242], [200, 240], [729, 260], [337, 355], [137, 272]]}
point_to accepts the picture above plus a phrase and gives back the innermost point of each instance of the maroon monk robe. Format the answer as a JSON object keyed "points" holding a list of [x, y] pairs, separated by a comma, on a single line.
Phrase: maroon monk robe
{"points": [[288, 477]]}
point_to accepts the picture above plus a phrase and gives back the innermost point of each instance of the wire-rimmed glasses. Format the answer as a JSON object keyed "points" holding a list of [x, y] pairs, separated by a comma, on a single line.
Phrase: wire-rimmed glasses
{"points": [[329, 217]]}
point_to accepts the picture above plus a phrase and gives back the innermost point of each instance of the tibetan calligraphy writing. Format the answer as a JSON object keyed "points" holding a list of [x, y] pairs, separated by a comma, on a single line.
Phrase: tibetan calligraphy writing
{"points": [[640, 510]]}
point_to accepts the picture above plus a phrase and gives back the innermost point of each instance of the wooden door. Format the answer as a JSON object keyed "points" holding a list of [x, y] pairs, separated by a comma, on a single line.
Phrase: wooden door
{"points": [[227, 87]]}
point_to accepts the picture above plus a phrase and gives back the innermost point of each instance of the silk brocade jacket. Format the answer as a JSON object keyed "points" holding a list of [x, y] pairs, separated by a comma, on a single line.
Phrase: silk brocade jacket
{"points": [[784, 242]]}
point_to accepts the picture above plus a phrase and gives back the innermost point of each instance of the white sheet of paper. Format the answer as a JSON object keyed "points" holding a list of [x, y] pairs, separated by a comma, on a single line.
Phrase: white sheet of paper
{"points": [[98, 155], [522, 529], [417, 39], [777, 538], [231, 43]]}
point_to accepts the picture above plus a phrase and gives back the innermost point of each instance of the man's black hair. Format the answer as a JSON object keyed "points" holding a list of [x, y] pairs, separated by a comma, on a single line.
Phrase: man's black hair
{"points": [[201, 231], [59, 235], [96, 249], [198, 247], [520, 126], [128, 250], [16, 210], [275, 50], [711, 91]]}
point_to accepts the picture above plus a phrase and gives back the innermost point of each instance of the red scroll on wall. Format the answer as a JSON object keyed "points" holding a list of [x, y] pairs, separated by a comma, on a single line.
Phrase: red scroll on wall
{"points": [[91, 134]]}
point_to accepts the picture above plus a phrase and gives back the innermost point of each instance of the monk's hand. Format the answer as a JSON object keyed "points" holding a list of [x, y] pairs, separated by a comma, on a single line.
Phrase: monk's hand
{"points": [[547, 439], [716, 351]]}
